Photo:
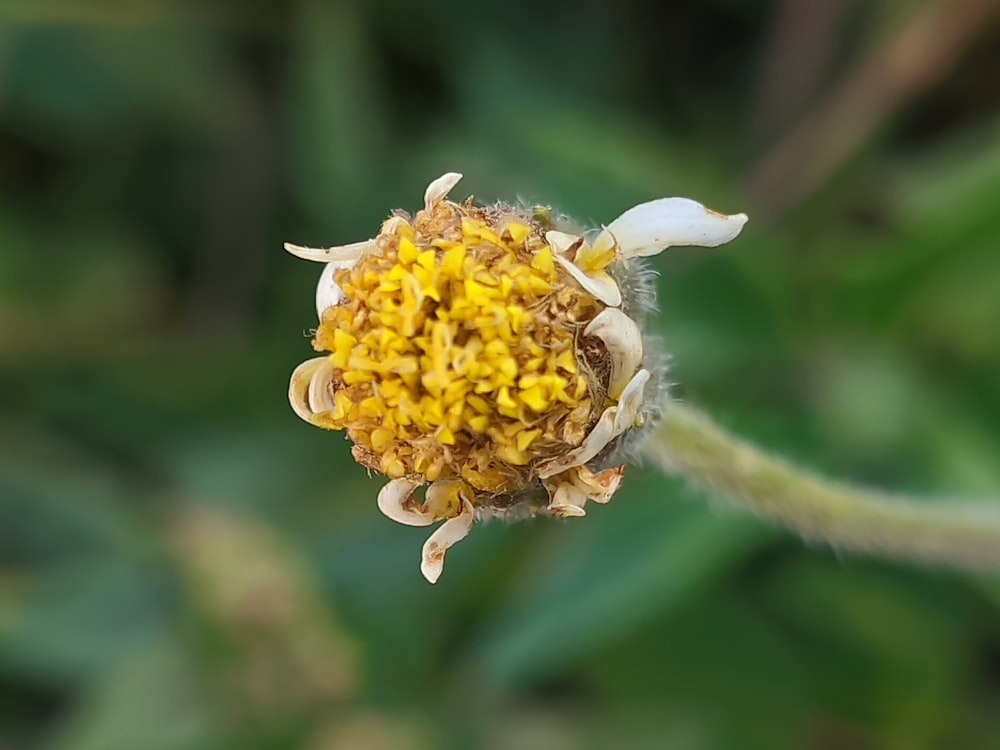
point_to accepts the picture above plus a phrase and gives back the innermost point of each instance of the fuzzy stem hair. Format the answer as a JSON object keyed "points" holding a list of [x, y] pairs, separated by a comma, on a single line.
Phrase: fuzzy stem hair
{"points": [[690, 445]]}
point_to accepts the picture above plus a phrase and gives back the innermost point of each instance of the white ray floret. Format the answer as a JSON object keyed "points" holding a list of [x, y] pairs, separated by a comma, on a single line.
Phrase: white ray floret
{"points": [[320, 394], [629, 407], [651, 227], [599, 283], [328, 291], [570, 490], [567, 501], [612, 423], [599, 487], [397, 502], [563, 243], [623, 340], [338, 253], [304, 387], [438, 190], [447, 535]]}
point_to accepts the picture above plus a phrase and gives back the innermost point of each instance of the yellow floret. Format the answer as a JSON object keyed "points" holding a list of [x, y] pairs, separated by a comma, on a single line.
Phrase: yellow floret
{"points": [[452, 356]]}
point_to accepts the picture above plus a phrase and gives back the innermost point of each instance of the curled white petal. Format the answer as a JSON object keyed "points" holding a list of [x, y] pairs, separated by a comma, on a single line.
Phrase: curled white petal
{"points": [[567, 501], [396, 501], [438, 190], [623, 340], [352, 252], [301, 386], [630, 402], [597, 439], [328, 292], [570, 490], [320, 393], [612, 423], [599, 284], [650, 227], [561, 243], [444, 537], [600, 486]]}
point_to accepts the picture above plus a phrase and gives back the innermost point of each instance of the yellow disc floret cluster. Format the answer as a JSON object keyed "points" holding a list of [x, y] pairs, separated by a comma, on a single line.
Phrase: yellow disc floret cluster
{"points": [[456, 351]]}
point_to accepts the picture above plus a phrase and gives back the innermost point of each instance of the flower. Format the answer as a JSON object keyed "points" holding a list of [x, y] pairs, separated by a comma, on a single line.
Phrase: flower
{"points": [[489, 355]]}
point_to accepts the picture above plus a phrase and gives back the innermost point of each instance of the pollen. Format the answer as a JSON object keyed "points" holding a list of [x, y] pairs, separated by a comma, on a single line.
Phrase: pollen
{"points": [[456, 352]]}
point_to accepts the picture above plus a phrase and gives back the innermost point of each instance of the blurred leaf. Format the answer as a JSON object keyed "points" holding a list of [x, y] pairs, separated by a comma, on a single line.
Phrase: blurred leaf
{"points": [[71, 88], [336, 115], [73, 625], [154, 701], [79, 512], [617, 572], [893, 639]]}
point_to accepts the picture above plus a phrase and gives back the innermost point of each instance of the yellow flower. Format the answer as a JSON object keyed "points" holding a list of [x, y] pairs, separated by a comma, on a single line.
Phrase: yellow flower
{"points": [[489, 355]]}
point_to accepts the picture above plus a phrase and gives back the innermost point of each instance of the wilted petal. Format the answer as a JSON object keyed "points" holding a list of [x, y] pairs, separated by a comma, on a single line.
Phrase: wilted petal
{"points": [[300, 386], [613, 422], [623, 340], [438, 190], [599, 487], [650, 227], [396, 501], [320, 393], [328, 292], [596, 441], [599, 284], [562, 243], [390, 225], [447, 535], [630, 402], [340, 253], [567, 501]]}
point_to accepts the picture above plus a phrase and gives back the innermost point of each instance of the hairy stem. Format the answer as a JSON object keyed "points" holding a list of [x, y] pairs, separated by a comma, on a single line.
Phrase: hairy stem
{"points": [[687, 443]]}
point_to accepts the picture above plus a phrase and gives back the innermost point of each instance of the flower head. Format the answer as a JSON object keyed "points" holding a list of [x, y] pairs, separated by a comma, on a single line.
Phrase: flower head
{"points": [[488, 355]]}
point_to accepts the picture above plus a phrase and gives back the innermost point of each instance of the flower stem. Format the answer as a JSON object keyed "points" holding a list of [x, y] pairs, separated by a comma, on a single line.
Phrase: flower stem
{"points": [[688, 444]]}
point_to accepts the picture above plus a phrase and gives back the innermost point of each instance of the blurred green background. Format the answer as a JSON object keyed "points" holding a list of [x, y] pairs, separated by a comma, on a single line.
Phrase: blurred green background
{"points": [[186, 565]]}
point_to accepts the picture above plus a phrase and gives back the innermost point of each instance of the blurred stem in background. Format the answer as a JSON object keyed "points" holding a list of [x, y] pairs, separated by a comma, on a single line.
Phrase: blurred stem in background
{"points": [[689, 444], [925, 47]]}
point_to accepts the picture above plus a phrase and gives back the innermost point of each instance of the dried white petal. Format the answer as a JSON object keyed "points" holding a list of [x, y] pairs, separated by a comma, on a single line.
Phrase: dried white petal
{"points": [[320, 393], [447, 535], [328, 292], [352, 252], [570, 490], [396, 501], [390, 225], [623, 340], [567, 501], [599, 487], [630, 402], [597, 439], [562, 243], [612, 423], [599, 284], [301, 383], [650, 227], [438, 190]]}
